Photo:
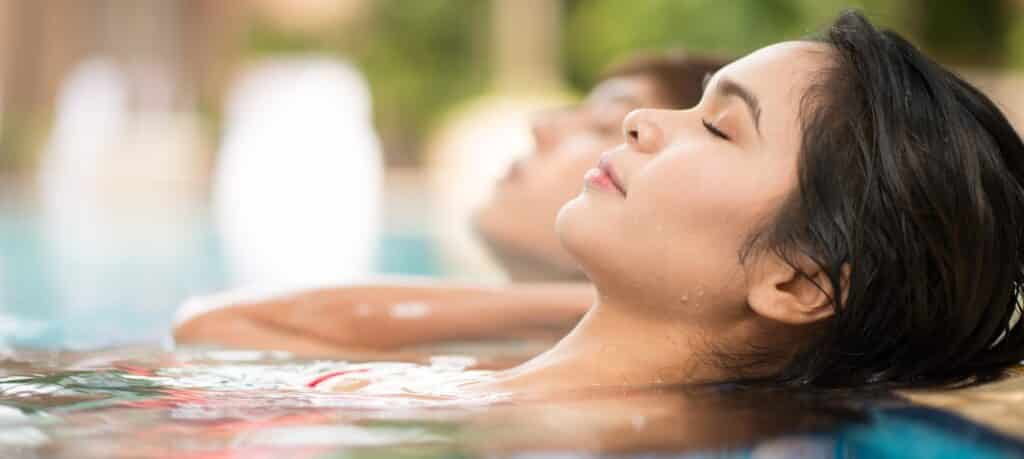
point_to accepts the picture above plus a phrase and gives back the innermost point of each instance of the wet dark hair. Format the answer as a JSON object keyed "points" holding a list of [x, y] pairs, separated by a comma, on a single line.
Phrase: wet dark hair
{"points": [[912, 178], [678, 76]]}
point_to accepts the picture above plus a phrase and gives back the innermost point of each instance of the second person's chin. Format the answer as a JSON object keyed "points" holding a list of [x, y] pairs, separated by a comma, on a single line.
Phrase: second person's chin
{"points": [[525, 254]]}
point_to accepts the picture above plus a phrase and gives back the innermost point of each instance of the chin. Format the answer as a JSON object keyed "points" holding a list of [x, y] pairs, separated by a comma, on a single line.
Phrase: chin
{"points": [[581, 235], [486, 219], [590, 229]]}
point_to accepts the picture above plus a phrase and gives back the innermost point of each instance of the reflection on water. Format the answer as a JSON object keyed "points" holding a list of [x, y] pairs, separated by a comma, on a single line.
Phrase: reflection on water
{"points": [[139, 402], [117, 206], [133, 292], [123, 290]]}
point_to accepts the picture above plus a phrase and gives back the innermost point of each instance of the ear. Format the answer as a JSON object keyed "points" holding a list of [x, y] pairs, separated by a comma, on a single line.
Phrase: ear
{"points": [[792, 295]]}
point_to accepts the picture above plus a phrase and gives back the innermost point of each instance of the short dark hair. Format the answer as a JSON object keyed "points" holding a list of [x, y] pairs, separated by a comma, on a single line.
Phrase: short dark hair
{"points": [[677, 75], [911, 179]]}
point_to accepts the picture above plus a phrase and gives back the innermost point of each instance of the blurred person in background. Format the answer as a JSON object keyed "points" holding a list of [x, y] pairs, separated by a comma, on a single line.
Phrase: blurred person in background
{"points": [[516, 224]]}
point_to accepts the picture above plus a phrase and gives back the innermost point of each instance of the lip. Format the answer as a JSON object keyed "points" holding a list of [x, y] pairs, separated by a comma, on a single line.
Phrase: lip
{"points": [[605, 165]]}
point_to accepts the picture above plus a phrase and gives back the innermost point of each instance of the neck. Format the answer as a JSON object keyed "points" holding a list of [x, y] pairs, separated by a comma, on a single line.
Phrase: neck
{"points": [[616, 344]]}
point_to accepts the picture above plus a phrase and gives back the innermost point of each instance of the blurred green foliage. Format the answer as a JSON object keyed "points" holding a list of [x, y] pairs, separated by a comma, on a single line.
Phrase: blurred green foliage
{"points": [[420, 57], [969, 33], [599, 32], [423, 56]]}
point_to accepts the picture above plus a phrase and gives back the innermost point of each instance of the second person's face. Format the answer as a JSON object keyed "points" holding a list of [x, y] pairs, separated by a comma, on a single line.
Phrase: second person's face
{"points": [[520, 214]]}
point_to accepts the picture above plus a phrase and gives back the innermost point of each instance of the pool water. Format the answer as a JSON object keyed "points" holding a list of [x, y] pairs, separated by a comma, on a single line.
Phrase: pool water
{"points": [[142, 402], [93, 295]]}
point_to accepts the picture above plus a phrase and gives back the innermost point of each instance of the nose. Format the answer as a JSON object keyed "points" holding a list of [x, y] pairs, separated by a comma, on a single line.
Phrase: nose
{"points": [[544, 133], [642, 131]]}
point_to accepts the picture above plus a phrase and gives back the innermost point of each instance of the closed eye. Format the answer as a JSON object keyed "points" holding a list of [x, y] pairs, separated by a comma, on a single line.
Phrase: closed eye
{"points": [[607, 129], [714, 131]]}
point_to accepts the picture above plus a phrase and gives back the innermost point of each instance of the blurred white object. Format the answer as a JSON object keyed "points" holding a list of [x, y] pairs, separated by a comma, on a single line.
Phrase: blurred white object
{"points": [[296, 190], [118, 192], [102, 152], [90, 118]]}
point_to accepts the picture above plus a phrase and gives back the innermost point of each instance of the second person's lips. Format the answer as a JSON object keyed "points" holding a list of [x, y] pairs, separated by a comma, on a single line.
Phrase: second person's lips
{"points": [[514, 171]]}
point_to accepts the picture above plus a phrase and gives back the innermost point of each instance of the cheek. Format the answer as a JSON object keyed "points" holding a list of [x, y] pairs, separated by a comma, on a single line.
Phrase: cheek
{"points": [[709, 197], [695, 216], [680, 231]]}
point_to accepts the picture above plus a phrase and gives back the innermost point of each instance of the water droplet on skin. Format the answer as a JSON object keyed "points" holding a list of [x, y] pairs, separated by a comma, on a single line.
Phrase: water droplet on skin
{"points": [[639, 422], [684, 299], [410, 310], [700, 292]]}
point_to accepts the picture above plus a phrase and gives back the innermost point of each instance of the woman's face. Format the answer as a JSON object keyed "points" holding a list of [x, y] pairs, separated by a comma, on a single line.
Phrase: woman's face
{"points": [[665, 224], [520, 213]]}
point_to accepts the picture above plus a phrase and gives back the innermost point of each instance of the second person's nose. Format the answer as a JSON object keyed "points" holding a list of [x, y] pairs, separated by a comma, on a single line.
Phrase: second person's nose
{"points": [[642, 132]]}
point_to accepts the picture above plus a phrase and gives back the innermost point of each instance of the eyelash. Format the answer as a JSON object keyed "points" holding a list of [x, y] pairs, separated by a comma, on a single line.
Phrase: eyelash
{"points": [[714, 131]]}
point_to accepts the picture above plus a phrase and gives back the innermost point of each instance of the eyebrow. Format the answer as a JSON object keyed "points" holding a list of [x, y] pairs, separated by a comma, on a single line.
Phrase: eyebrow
{"points": [[729, 87]]}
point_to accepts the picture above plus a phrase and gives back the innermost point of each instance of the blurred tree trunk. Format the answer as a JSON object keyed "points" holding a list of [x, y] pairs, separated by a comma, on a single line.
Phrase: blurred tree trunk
{"points": [[39, 43], [174, 52], [526, 45]]}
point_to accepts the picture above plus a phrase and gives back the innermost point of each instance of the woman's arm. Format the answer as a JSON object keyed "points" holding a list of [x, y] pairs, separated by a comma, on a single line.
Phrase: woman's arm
{"points": [[370, 319]]}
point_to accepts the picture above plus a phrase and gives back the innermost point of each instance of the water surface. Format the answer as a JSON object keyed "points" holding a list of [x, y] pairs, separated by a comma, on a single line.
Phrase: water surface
{"points": [[143, 402]]}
